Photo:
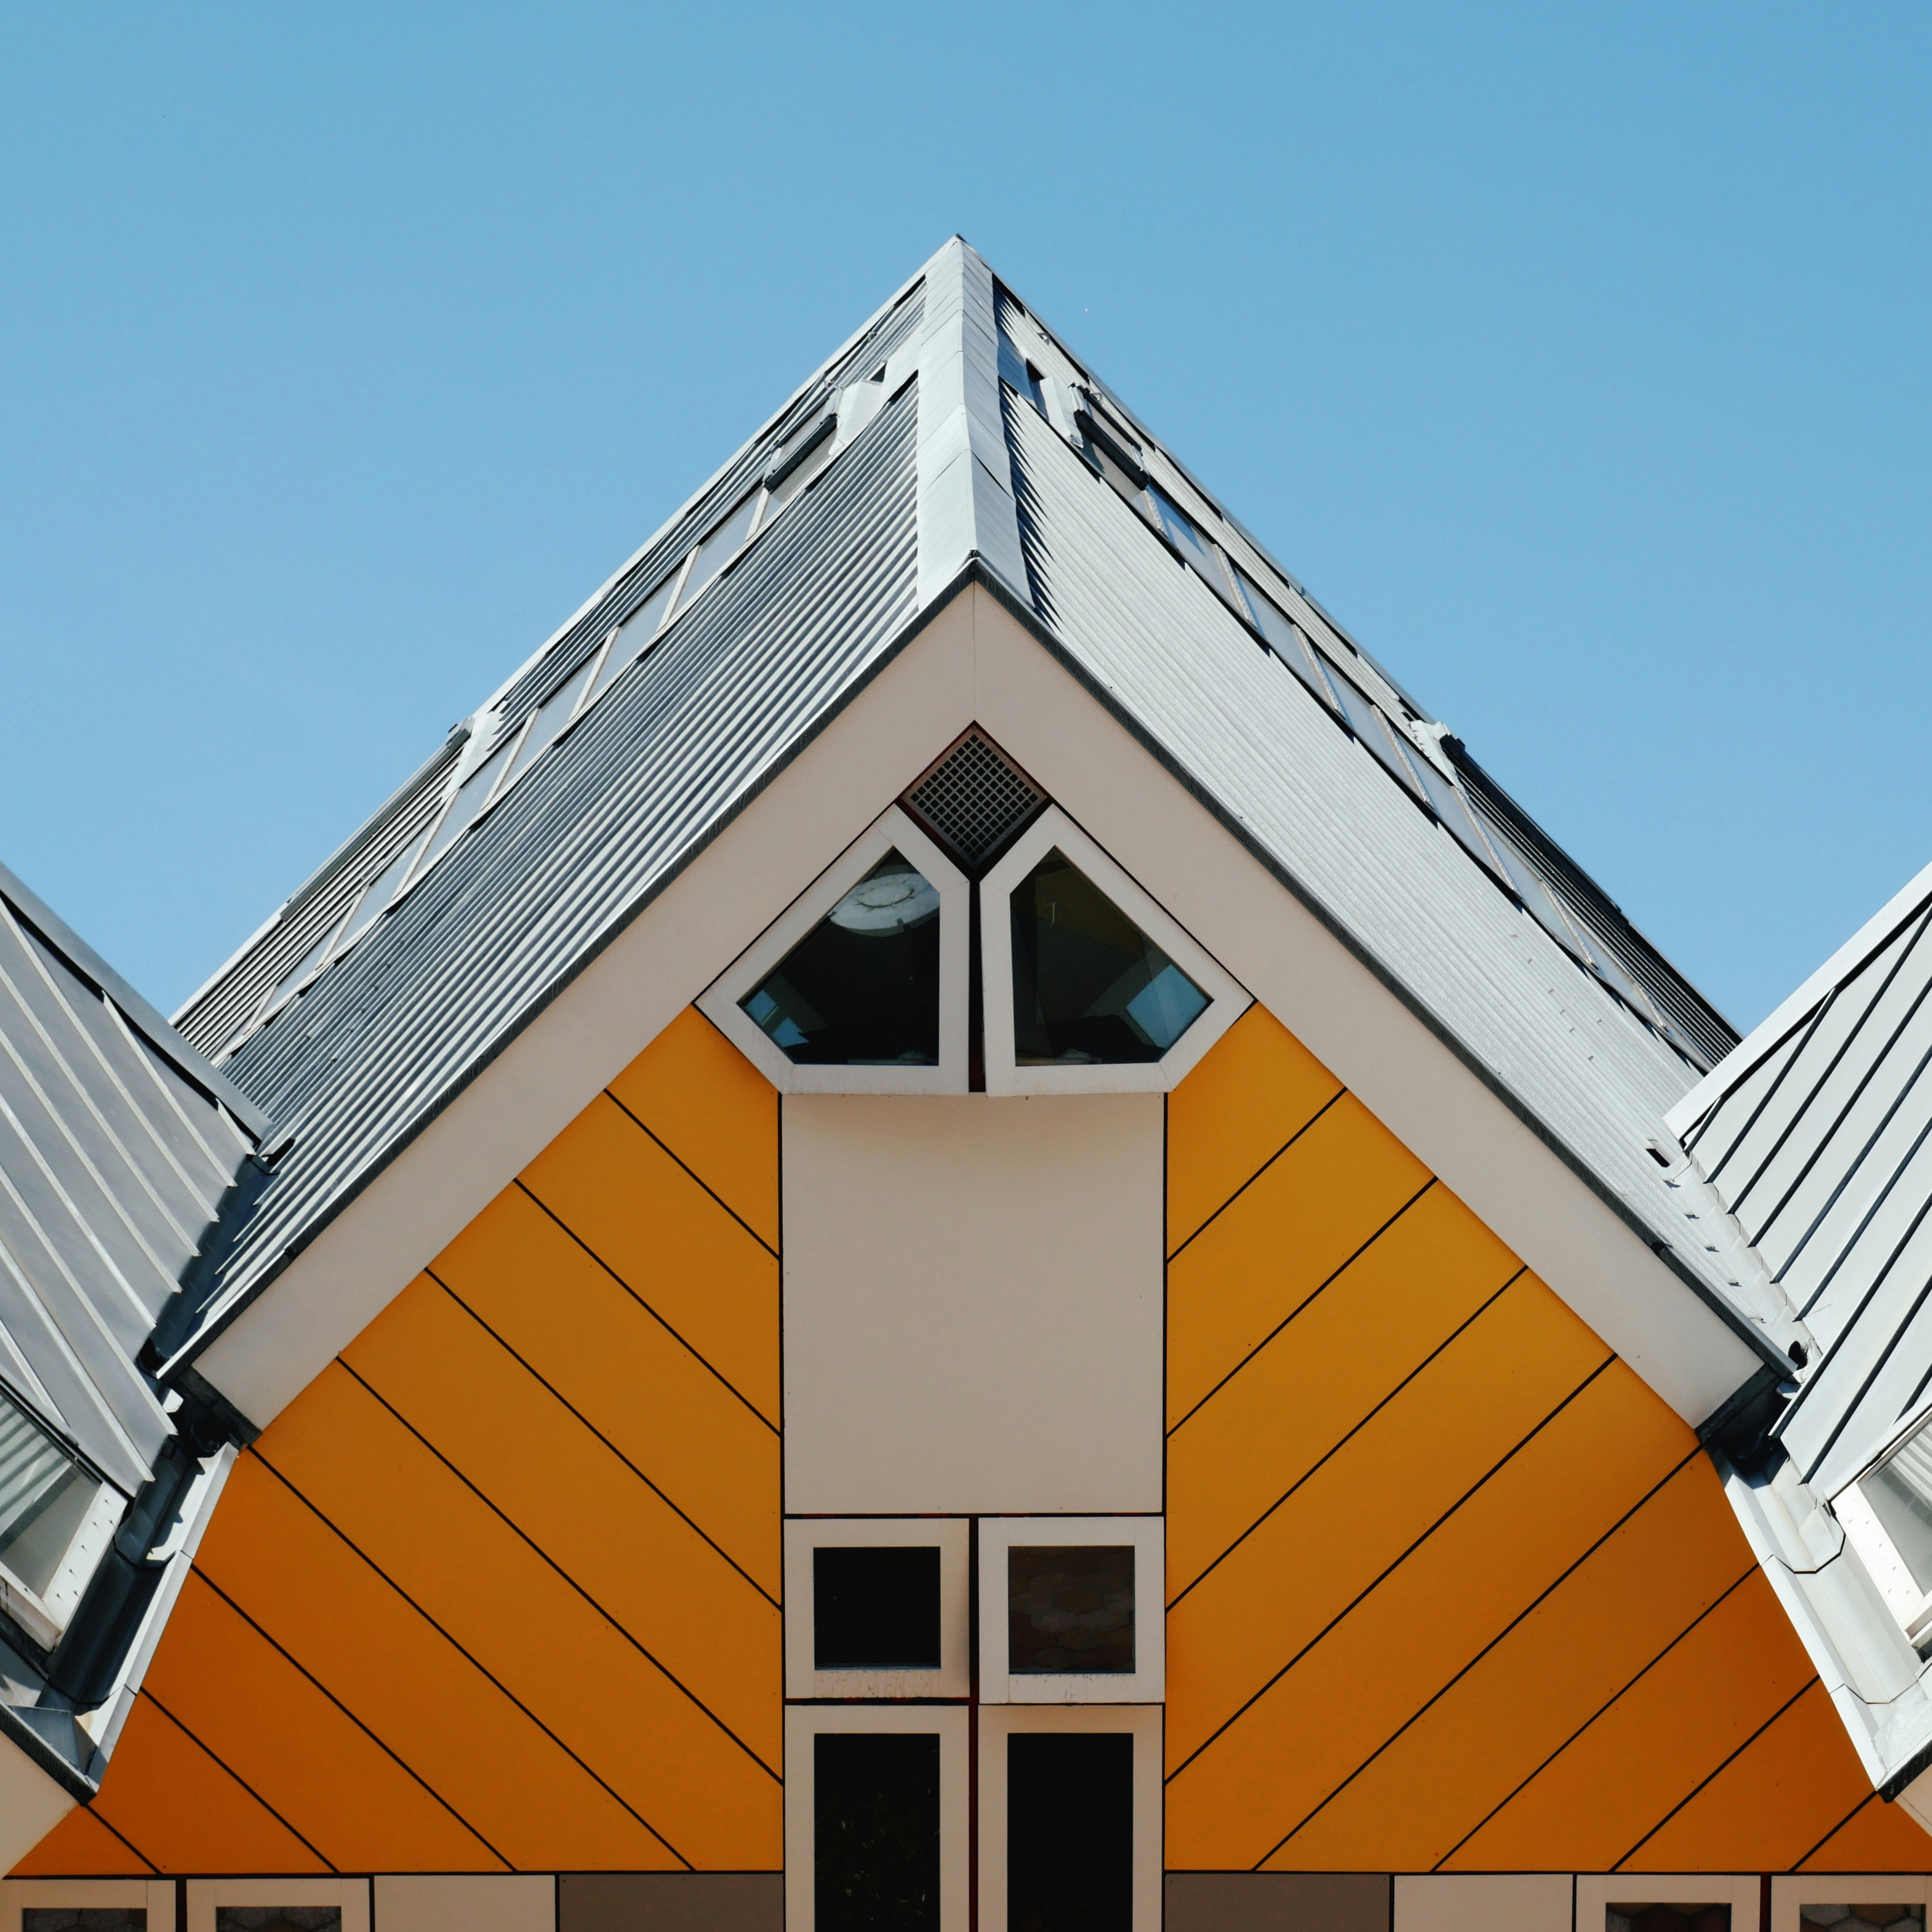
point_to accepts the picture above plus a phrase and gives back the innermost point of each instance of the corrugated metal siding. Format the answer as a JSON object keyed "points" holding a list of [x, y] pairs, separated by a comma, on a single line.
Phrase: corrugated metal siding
{"points": [[1819, 1141], [573, 850], [1250, 734], [112, 1165]]}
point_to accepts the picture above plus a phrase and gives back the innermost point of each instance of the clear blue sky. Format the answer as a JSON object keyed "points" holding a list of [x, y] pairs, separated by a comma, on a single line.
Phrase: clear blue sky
{"points": [[1575, 356]]}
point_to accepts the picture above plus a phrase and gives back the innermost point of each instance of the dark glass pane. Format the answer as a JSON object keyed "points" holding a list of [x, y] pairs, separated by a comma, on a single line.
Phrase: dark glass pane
{"points": [[278, 1919], [861, 987], [1070, 1609], [875, 1849], [1070, 1831], [83, 1918], [875, 1609], [1638, 1917], [1088, 985]]}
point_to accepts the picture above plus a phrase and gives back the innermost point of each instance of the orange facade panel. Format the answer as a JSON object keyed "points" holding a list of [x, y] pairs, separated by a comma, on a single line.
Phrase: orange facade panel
{"points": [[500, 1588], [1451, 1589]]}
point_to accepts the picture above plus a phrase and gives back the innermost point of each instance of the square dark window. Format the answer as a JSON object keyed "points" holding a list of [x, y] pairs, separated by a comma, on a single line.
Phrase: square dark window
{"points": [[875, 1825], [875, 1608], [1070, 1831], [83, 1918], [1070, 1609], [1643, 1917]]}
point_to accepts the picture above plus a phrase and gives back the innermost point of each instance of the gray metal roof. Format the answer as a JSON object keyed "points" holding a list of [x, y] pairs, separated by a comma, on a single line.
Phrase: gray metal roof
{"points": [[352, 1019], [1816, 1134], [118, 1142]]}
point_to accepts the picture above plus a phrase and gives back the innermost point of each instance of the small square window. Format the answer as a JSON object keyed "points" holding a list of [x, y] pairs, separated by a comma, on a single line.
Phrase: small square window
{"points": [[875, 1608], [1069, 1608], [87, 1905], [1635, 1916], [277, 1905]]}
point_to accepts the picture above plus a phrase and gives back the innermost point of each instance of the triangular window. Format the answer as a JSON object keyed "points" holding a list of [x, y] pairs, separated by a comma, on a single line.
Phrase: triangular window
{"points": [[1089, 987], [861, 987]]}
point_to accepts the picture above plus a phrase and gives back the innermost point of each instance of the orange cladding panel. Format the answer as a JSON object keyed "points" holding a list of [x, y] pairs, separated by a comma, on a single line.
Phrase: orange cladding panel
{"points": [[1451, 1589], [699, 1269], [293, 1576], [81, 1846], [500, 1589], [1410, 1463], [666, 1758], [1257, 1089], [347, 1796], [1876, 1838], [591, 1514], [715, 1111], [1330, 1191], [187, 1812], [714, 1458]]}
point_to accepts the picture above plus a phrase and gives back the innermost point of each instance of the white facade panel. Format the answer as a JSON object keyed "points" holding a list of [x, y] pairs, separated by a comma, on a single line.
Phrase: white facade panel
{"points": [[973, 1319]]}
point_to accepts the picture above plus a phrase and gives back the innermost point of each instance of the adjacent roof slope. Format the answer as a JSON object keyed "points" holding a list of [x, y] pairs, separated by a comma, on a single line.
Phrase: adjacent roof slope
{"points": [[118, 1144], [953, 435], [1816, 1134]]}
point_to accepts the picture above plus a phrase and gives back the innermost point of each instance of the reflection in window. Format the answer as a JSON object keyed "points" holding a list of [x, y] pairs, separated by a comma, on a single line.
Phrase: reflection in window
{"points": [[1636, 1918], [555, 712], [1900, 1491], [1070, 1609], [1088, 985], [1864, 1918], [84, 1918], [875, 1831], [718, 550], [875, 1608], [861, 987], [1069, 1831], [278, 1919], [1189, 541], [44, 1498], [471, 800]]}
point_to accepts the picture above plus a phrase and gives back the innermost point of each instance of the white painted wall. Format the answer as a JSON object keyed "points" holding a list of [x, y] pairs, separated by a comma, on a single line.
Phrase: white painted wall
{"points": [[1490, 1902], [31, 1805], [972, 1303]]}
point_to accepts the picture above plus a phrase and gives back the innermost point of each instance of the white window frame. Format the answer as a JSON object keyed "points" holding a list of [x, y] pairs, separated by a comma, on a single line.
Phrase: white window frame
{"points": [[1227, 998], [804, 1722], [1596, 1892], [952, 1536], [1866, 1532], [155, 1896], [205, 1894], [1788, 1893], [998, 1722], [892, 830], [1146, 1683]]}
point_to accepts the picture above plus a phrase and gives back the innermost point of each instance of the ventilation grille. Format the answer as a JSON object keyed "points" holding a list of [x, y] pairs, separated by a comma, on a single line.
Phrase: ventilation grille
{"points": [[974, 801]]}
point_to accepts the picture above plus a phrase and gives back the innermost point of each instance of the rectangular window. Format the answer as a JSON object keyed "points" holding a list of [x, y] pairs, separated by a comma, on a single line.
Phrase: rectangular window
{"points": [[876, 1831], [1070, 1832]]}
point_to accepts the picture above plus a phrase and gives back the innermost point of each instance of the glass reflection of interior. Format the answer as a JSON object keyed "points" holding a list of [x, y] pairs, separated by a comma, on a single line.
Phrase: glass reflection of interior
{"points": [[1070, 1831], [44, 1498], [861, 987], [1864, 1918], [1089, 986], [278, 1919], [1640, 1918], [1900, 1492], [1070, 1609], [875, 1608], [875, 1831]]}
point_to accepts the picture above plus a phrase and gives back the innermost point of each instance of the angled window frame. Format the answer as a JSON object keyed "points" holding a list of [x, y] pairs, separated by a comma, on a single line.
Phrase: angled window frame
{"points": [[952, 1536], [1147, 1682], [1228, 999], [1143, 1724], [804, 1723], [892, 831], [1877, 1549]]}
